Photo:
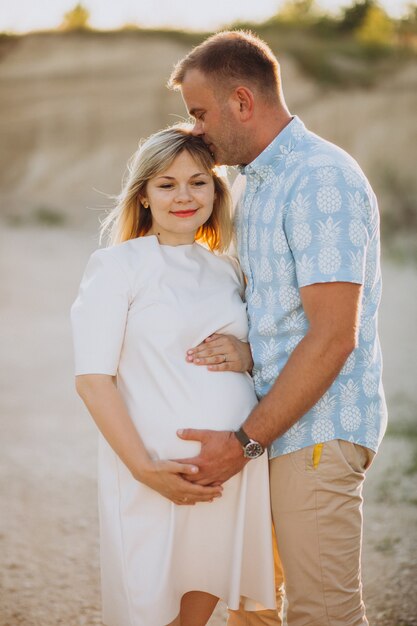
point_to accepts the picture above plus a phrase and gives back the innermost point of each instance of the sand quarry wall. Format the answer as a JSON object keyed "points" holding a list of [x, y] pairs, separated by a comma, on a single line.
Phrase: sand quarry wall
{"points": [[73, 107]]}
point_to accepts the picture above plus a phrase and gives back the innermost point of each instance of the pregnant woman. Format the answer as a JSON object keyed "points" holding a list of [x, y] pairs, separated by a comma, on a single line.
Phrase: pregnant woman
{"points": [[169, 548]]}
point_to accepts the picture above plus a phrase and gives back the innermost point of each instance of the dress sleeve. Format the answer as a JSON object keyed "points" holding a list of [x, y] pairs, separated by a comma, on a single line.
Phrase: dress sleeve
{"points": [[99, 315]]}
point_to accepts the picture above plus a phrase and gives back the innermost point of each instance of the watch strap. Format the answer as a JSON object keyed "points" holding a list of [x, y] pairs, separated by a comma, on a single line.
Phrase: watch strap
{"points": [[242, 437]]}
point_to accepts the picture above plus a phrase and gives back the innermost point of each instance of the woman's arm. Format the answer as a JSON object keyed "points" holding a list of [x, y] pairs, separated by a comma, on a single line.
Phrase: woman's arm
{"points": [[222, 353], [106, 406]]}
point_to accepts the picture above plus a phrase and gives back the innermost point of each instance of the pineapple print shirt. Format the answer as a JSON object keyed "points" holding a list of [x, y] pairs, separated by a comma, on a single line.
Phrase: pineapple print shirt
{"points": [[309, 215]]}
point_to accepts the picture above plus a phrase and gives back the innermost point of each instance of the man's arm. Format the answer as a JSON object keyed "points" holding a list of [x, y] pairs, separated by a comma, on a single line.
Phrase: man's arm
{"points": [[333, 312]]}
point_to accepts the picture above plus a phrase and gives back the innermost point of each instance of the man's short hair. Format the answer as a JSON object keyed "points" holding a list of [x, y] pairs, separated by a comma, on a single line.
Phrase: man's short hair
{"points": [[231, 58]]}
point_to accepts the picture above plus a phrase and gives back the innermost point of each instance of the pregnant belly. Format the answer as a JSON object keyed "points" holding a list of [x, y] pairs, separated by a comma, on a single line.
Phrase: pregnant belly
{"points": [[215, 401]]}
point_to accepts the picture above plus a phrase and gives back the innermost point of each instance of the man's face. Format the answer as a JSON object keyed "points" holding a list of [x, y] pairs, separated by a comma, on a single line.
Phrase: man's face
{"points": [[214, 119]]}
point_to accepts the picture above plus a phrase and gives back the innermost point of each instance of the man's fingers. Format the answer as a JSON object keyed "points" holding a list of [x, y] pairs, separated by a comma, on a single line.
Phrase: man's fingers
{"points": [[184, 468], [191, 434]]}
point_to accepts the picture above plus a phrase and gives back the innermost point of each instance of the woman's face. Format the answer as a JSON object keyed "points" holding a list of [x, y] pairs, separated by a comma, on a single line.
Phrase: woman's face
{"points": [[180, 199]]}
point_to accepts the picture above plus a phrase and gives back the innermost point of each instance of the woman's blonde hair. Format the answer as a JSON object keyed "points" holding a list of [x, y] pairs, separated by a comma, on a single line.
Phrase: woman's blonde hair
{"points": [[130, 219]]}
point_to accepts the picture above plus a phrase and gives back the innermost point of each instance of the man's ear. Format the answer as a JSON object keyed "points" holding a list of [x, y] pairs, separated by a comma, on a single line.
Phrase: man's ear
{"points": [[243, 103]]}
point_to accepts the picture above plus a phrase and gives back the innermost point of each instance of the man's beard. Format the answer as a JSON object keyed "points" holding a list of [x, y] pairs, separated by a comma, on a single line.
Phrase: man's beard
{"points": [[230, 155], [225, 158]]}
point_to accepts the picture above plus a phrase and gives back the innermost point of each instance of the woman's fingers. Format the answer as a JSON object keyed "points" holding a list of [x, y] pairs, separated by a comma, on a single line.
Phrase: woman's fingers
{"points": [[218, 351], [183, 492], [215, 359], [205, 350], [222, 353], [191, 493]]}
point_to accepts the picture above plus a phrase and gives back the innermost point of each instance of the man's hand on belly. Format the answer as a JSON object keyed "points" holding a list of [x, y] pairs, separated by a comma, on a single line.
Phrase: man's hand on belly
{"points": [[220, 458]]}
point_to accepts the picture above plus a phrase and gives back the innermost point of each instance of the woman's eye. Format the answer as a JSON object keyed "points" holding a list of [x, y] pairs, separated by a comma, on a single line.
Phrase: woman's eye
{"points": [[200, 183], [166, 186]]}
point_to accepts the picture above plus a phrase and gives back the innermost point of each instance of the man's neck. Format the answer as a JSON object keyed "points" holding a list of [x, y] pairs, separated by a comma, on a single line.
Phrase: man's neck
{"points": [[267, 129]]}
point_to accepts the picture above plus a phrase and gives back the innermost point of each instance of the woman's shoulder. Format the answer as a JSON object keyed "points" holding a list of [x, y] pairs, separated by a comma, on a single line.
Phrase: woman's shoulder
{"points": [[126, 253], [126, 260]]}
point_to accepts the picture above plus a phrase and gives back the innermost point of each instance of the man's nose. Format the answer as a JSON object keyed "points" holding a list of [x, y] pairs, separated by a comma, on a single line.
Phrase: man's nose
{"points": [[197, 129]]}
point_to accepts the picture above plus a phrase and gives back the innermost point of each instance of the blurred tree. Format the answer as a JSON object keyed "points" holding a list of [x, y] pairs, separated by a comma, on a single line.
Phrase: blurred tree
{"points": [[76, 19], [408, 25], [408, 28], [411, 11], [376, 29], [354, 16], [297, 11]]}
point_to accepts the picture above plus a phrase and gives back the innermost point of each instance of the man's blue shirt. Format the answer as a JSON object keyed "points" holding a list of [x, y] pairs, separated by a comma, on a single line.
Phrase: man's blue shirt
{"points": [[309, 215]]}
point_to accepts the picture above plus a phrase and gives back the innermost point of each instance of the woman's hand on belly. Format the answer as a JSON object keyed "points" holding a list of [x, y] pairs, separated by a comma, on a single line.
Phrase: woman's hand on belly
{"points": [[108, 409], [168, 478], [222, 353]]}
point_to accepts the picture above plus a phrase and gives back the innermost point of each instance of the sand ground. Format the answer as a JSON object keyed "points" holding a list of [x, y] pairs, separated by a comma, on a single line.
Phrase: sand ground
{"points": [[48, 523]]}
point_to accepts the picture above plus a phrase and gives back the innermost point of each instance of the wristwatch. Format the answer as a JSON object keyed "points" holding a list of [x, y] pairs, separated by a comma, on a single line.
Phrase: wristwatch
{"points": [[251, 449]]}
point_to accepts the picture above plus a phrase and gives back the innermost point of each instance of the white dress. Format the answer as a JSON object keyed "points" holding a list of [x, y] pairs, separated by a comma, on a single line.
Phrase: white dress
{"points": [[141, 305]]}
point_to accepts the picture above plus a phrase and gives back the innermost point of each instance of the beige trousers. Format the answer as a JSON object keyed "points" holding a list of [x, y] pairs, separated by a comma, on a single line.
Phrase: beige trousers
{"points": [[316, 496]]}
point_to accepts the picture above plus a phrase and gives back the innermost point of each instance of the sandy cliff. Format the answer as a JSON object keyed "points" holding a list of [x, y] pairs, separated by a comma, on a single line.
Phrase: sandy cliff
{"points": [[73, 107]]}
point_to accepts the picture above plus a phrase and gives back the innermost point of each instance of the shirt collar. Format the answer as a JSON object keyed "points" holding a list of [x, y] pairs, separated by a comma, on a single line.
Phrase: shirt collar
{"points": [[279, 148]]}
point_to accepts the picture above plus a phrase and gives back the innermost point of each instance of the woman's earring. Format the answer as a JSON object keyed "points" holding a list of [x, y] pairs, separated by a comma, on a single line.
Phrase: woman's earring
{"points": [[145, 204]]}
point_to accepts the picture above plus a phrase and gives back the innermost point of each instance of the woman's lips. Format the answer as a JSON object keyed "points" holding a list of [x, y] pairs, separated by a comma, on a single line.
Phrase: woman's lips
{"points": [[184, 213]]}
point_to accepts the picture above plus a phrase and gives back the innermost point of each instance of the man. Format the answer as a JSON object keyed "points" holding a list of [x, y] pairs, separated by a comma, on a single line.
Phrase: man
{"points": [[307, 232]]}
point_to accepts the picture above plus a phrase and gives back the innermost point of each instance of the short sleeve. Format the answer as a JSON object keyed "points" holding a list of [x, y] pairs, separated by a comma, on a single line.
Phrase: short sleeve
{"points": [[237, 273], [99, 314], [327, 228]]}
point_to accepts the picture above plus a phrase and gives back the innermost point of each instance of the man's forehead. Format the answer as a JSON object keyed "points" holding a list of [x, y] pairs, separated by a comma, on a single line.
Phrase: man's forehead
{"points": [[194, 76], [195, 84], [196, 91]]}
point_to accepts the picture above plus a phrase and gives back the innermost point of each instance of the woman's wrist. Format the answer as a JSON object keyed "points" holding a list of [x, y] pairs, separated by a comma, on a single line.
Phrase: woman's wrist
{"points": [[144, 469]]}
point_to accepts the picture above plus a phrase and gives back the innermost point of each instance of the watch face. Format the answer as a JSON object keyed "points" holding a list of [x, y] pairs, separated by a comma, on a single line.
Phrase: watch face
{"points": [[253, 449]]}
